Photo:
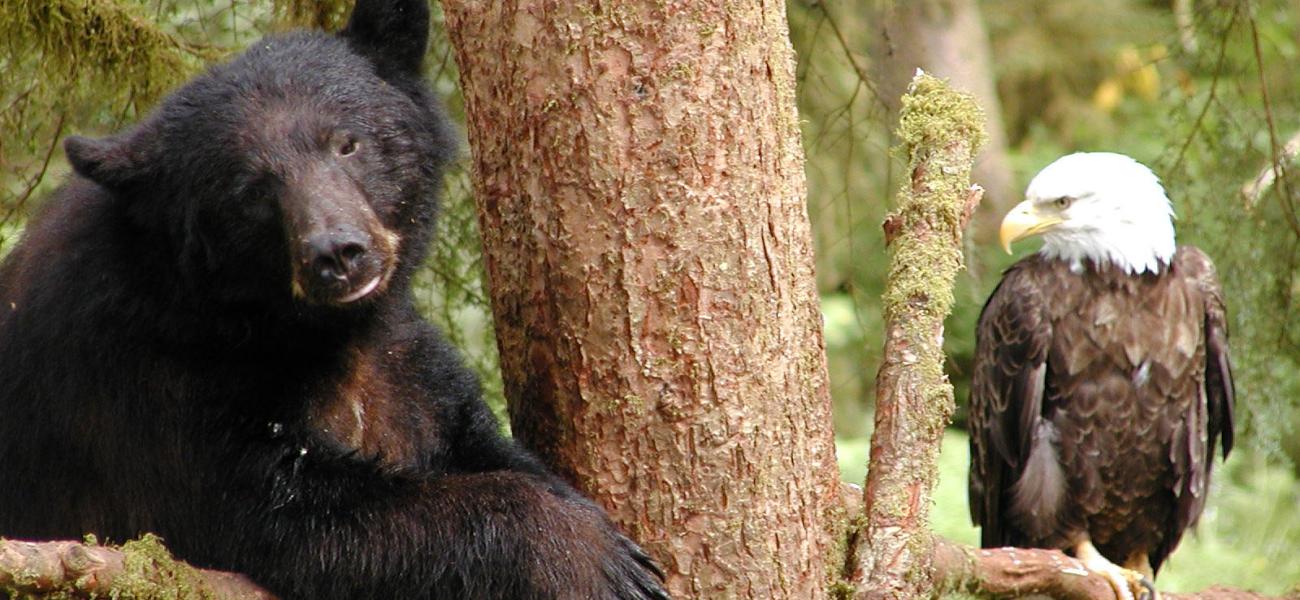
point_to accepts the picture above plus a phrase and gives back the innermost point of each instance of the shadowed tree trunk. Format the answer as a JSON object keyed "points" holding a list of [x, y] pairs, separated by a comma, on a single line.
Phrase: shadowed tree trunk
{"points": [[638, 173], [947, 38]]}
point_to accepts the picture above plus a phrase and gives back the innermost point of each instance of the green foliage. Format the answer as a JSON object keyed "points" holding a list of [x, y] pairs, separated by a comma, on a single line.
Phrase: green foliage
{"points": [[88, 67], [851, 176], [1227, 133], [1050, 57], [451, 289], [125, 46], [329, 15]]}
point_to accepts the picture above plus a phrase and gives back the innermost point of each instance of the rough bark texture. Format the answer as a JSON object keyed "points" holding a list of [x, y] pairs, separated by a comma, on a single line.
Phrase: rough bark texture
{"points": [[639, 179], [941, 131], [947, 39], [140, 570]]}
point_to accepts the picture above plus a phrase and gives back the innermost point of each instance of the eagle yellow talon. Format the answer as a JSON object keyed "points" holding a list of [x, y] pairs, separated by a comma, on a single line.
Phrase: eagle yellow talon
{"points": [[1128, 584]]}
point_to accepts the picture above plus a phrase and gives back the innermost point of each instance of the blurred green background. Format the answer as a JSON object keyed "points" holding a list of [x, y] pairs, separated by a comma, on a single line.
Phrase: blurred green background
{"points": [[1205, 92]]}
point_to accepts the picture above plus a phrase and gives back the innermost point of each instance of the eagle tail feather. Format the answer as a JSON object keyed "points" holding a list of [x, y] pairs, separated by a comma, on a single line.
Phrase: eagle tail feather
{"points": [[1039, 494]]}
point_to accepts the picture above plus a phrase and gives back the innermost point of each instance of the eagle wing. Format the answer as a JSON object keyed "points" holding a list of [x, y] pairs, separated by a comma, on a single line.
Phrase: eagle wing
{"points": [[1011, 347], [1193, 473], [1219, 390]]}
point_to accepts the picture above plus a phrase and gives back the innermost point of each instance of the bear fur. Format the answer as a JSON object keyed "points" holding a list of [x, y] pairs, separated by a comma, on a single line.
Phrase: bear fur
{"points": [[208, 333]]}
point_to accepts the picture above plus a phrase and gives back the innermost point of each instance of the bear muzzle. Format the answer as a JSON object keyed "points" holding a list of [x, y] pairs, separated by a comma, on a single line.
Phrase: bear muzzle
{"points": [[342, 265]]}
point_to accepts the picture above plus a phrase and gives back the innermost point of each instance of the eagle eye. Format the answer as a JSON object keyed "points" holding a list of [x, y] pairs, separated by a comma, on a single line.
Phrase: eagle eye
{"points": [[1063, 202]]}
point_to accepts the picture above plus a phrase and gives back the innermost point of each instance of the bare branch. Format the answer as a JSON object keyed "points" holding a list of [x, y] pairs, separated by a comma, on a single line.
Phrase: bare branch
{"points": [[1186, 25], [1255, 189], [1214, 86]]}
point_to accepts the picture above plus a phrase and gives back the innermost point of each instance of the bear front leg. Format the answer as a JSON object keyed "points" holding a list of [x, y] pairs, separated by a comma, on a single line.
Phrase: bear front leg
{"points": [[332, 531], [558, 546]]}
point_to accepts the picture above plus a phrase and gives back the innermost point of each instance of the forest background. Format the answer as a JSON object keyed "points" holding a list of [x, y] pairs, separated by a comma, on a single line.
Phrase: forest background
{"points": [[1205, 92]]}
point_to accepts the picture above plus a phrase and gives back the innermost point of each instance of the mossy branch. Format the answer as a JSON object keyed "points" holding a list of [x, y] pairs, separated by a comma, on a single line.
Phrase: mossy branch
{"points": [[101, 39], [140, 570], [941, 130]]}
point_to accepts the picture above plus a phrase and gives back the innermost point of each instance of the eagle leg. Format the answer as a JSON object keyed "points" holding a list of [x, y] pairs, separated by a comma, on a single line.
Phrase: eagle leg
{"points": [[1128, 584], [1140, 563]]}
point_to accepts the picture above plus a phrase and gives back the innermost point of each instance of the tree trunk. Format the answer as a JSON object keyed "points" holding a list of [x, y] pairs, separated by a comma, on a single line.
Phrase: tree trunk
{"points": [[640, 187], [947, 39]]}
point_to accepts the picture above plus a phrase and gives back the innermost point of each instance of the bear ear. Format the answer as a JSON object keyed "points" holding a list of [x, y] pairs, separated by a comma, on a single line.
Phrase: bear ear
{"points": [[392, 33], [109, 162]]}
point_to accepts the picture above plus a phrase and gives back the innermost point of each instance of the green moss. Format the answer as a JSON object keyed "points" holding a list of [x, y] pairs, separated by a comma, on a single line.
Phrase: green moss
{"points": [[841, 590], [150, 572], [941, 129], [934, 115], [125, 46]]}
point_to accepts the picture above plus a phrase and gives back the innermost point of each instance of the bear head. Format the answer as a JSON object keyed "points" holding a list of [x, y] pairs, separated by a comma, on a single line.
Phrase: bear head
{"points": [[304, 172]]}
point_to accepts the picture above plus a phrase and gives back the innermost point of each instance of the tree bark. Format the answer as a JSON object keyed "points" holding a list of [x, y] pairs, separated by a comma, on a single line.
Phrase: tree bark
{"points": [[638, 173], [947, 38], [941, 130]]}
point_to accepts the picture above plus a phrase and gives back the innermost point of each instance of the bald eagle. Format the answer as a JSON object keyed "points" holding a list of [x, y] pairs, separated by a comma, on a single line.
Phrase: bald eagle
{"points": [[1101, 381]]}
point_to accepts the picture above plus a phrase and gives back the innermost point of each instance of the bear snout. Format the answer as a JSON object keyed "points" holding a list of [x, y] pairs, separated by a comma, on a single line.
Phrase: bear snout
{"points": [[340, 266]]}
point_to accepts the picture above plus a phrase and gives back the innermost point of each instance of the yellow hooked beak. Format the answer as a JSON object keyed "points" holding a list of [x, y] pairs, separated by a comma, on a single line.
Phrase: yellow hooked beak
{"points": [[1023, 221]]}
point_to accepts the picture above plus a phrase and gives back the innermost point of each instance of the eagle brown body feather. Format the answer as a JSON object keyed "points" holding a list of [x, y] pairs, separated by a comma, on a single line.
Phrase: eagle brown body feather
{"points": [[1096, 404]]}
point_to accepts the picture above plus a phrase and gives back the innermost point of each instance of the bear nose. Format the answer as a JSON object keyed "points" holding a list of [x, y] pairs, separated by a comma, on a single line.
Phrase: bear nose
{"points": [[337, 255]]}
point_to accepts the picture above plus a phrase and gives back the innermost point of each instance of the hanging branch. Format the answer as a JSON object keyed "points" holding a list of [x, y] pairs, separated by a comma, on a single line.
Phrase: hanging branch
{"points": [[110, 40]]}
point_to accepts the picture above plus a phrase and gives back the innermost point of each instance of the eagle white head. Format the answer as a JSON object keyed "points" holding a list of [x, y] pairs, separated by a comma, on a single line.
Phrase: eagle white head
{"points": [[1101, 206]]}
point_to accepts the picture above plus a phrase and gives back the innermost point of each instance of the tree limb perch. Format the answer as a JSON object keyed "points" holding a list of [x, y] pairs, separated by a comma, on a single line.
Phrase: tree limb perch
{"points": [[140, 570], [1015, 572]]}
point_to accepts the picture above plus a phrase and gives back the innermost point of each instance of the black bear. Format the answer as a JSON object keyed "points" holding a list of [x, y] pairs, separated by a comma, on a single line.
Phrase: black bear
{"points": [[208, 333]]}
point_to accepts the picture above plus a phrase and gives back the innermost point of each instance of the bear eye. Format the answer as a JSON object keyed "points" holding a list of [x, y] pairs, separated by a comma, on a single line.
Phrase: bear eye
{"points": [[348, 147]]}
